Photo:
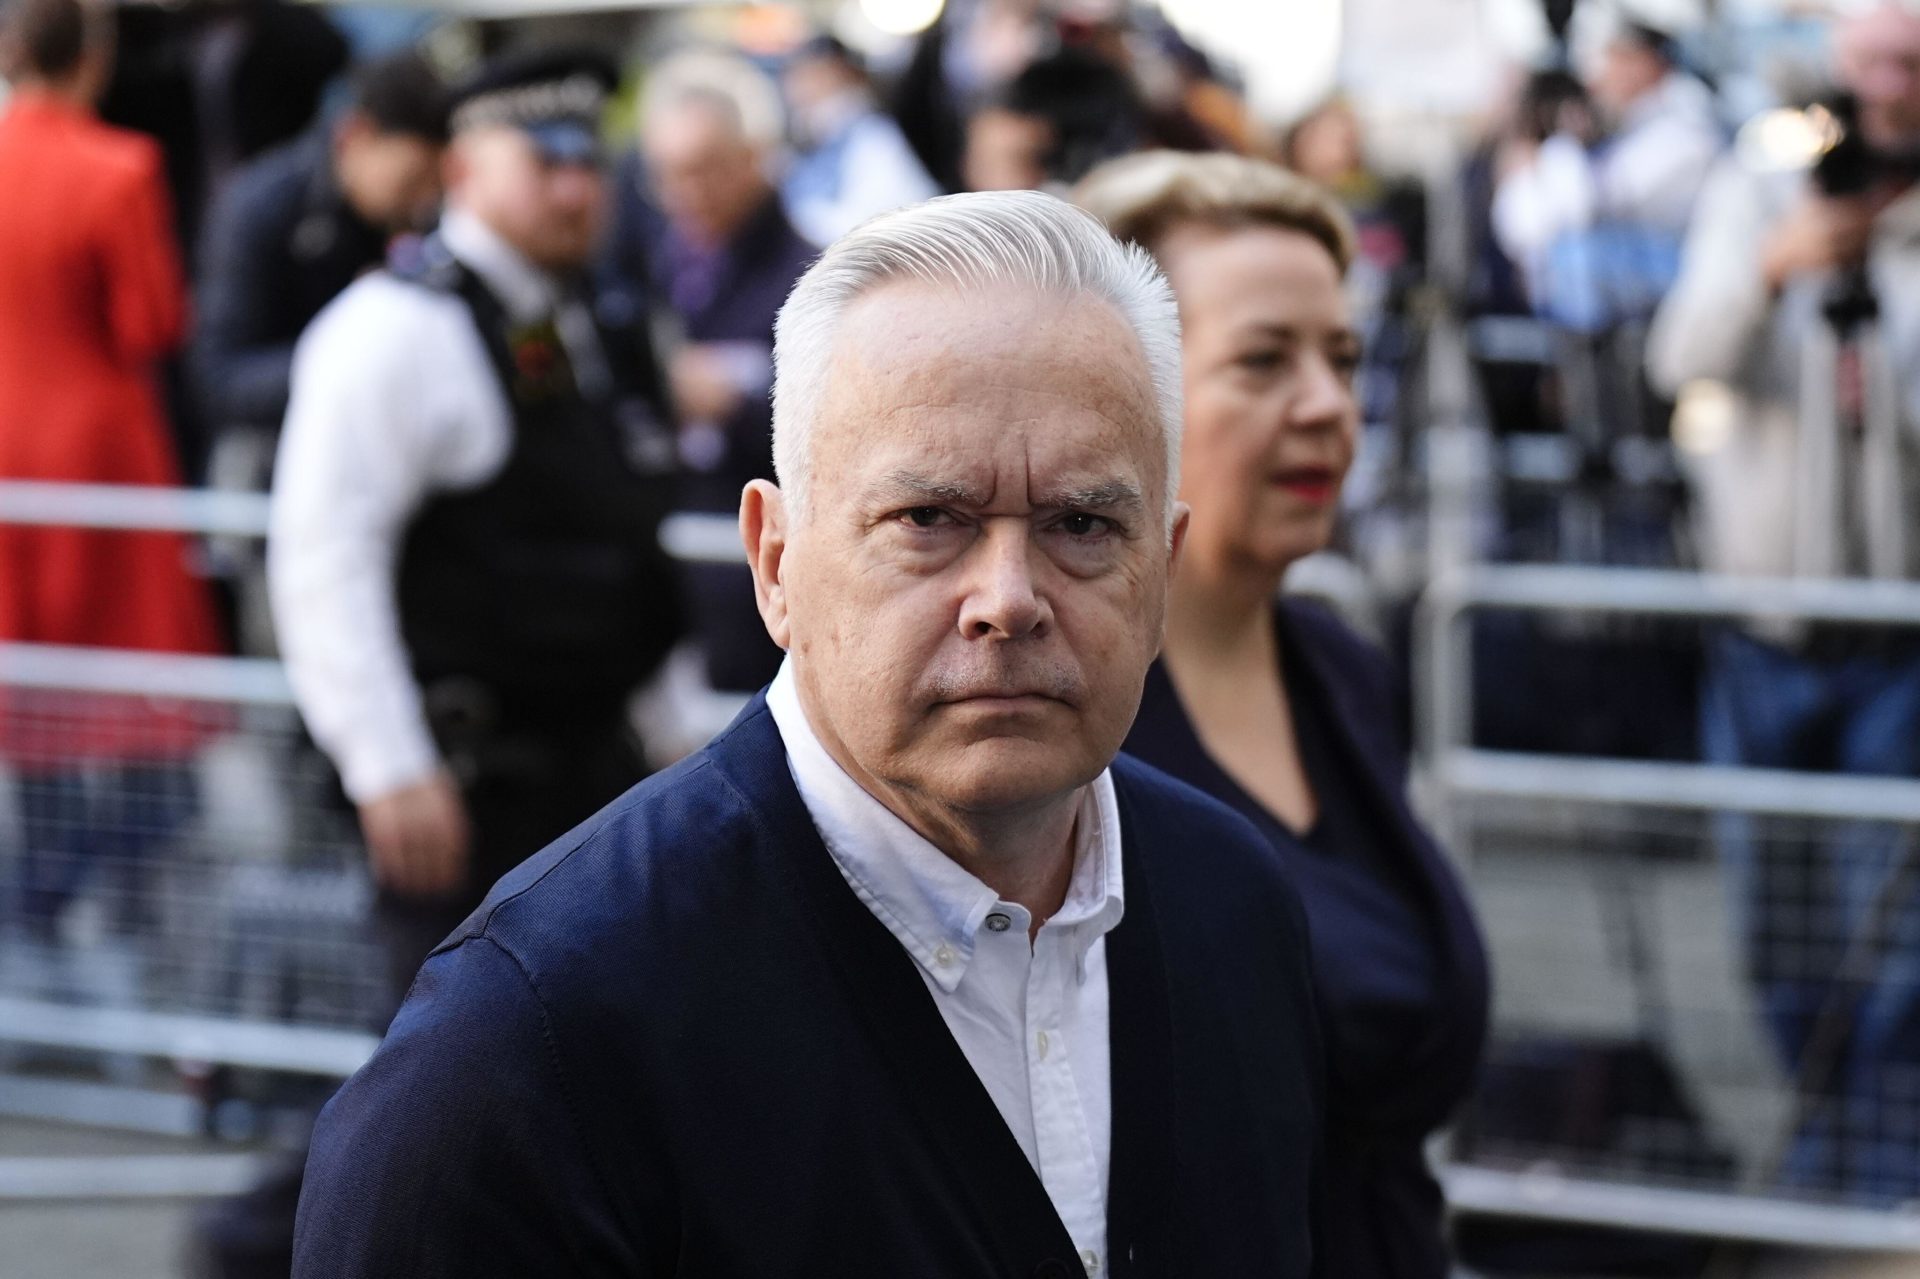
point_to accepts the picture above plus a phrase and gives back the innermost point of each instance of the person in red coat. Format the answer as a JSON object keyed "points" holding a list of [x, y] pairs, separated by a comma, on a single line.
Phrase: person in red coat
{"points": [[91, 299]]}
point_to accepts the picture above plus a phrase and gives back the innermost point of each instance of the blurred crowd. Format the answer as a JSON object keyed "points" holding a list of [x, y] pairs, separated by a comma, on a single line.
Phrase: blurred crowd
{"points": [[1692, 317]]}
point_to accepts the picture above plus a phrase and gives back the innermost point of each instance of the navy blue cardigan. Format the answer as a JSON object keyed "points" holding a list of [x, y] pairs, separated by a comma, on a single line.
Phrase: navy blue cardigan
{"points": [[675, 1043]]}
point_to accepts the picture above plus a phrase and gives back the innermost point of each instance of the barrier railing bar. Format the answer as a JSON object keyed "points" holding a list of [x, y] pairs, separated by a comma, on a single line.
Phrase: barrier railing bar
{"points": [[693, 537], [1697, 787], [181, 1176], [702, 539], [1443, 658], [1548, 1196], [87, 1103], [306, 1050], [132, 506], [1669, 592], [256, 681]]}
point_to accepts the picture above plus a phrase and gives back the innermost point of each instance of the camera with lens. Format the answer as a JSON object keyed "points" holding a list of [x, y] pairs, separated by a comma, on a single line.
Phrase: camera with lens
{"points": [[1848, 164], [1845, 165]]}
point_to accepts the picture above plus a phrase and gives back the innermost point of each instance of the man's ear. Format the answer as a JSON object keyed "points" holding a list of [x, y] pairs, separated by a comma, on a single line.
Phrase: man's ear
{"points": [[763, 530], [1182, 516]]}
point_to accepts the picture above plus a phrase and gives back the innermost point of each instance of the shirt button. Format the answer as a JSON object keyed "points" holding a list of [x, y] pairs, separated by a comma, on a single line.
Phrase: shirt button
{"points": [[1090, 1259], [943, 956], [998, 923], [1042, 1041]]}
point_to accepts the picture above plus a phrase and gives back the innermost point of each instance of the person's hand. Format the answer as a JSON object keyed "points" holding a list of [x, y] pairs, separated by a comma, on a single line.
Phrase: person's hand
{"points": [[417, 837], [703, 388], [1820, 234]]}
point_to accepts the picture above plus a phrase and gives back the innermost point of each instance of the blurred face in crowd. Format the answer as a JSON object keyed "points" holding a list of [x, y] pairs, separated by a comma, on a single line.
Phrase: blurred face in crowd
{"points": [[391, 179], [706, 174], [1326, 146], [1006, 151], [1626, 72], [552, 213], [977, 586], [1271, 421], [1879, 60], [812, 83]]}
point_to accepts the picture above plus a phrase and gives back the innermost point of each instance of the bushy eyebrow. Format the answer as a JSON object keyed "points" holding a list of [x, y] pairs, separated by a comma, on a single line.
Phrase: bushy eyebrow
{"points": [[1115, 496], [910, 488]]}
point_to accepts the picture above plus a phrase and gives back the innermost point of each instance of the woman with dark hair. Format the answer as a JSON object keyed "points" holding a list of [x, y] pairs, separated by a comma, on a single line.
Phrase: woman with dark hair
{"points": [[1274, 707]]}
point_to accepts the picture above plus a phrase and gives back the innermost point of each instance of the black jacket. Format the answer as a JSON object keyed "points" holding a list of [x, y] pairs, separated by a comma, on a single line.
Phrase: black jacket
{"points": [[675, 1043], [1399, 965], [280, 243]]}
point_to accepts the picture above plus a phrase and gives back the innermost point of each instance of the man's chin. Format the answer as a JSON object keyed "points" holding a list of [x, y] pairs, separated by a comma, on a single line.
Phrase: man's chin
{"points": [[1005, 774]]}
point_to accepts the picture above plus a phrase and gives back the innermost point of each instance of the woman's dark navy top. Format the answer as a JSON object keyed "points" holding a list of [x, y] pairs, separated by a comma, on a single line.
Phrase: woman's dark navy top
{"points": [[1400, 969]]}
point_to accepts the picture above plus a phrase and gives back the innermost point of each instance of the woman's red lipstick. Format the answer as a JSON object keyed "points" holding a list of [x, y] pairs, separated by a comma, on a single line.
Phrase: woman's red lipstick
{"points": [[1316, 485]]}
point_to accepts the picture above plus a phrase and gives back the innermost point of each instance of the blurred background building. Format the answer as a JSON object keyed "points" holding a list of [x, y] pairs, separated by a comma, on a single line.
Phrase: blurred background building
{"points": [[1635, 514]]}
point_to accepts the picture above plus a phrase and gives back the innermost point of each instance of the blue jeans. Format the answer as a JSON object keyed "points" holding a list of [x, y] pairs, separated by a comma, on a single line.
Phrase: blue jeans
{"points": [[1802, 895]]}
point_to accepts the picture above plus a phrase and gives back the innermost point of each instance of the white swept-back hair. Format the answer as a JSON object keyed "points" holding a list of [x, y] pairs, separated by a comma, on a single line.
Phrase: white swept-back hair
{"points": [[986, 241]]}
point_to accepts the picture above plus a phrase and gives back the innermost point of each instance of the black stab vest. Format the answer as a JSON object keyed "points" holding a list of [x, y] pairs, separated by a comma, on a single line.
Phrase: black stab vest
{"points": [[543, 593]]}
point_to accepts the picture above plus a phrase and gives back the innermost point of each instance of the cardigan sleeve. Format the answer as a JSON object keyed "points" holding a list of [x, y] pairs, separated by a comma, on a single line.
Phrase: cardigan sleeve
{"points": [[458, 1149]]}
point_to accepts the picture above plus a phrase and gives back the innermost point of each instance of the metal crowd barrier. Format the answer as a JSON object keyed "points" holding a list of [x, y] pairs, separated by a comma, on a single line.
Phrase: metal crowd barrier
{"points": [[1617, 939], [224, 924], [171, 918]]}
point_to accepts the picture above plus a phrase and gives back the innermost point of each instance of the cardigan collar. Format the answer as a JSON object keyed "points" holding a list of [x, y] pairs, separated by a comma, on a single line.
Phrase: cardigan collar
{"points": [[1003, 1192]]}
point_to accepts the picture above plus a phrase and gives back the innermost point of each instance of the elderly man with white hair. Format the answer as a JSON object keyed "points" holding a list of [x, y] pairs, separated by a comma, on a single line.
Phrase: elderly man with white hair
{"points": [[905, 974]]}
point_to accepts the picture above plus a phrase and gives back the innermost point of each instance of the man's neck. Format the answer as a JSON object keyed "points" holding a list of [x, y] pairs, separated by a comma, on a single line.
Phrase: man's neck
{"points": [[525, 288], [1023, 853], [1025, 856]]}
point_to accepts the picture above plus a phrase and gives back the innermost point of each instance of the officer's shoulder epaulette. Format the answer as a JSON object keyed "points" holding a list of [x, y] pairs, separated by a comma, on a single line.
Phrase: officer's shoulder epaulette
{"points": [[424, 260]]}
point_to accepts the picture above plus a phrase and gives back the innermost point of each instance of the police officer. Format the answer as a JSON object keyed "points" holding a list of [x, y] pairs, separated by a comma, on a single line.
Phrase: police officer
{"points": [[464, 564]]}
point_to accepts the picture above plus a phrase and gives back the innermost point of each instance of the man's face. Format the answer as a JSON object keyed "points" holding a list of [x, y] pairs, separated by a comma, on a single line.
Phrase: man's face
{"points": [[552, 213], [975, 592], [392, 180], [1626, 72], [1006, 151], [706, 176], [1879, 60]]}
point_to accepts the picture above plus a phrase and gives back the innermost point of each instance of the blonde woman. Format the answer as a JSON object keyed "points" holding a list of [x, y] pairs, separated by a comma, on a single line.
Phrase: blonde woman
{"points": [[1276, 708]]}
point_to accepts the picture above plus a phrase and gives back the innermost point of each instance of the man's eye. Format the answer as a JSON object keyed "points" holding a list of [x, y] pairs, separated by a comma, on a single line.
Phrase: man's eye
{"points": [[925, 516], [1080, 525], [1262, 361]]}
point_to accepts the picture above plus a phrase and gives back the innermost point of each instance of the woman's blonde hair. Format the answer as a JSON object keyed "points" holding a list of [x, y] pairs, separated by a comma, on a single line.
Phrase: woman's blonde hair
{"points": [[1143, 196]]}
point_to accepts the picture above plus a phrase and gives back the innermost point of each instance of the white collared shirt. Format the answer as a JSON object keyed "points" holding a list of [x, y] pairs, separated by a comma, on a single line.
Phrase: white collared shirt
{"points": [[394, 399], [1030, 1019]]}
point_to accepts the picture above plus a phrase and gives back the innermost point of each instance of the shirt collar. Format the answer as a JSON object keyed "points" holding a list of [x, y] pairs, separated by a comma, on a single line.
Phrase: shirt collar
{"points": [[932, 905], [527, 292]]}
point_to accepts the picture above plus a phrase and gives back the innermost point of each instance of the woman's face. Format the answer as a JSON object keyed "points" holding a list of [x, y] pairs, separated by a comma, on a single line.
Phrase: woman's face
{"points": [[1271, 419]]}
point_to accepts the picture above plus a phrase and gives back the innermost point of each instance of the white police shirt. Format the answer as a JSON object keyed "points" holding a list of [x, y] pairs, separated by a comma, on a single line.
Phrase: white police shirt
{"points": [[393, 399], [1031, 1019]]}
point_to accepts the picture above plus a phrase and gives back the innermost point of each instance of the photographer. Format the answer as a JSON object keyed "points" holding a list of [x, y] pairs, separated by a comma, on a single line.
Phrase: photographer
{"points": [[1792, 340]]}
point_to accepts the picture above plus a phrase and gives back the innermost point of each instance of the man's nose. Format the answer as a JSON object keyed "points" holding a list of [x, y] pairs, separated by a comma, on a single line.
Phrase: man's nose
{"points": [[574, 184], [1002, 601]]}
